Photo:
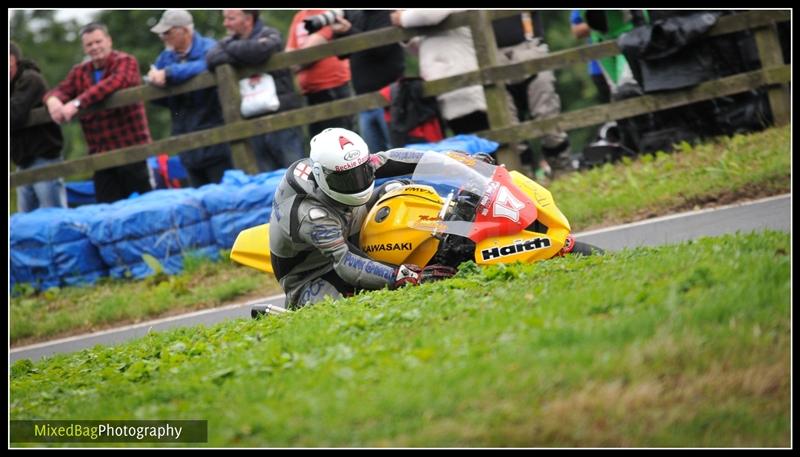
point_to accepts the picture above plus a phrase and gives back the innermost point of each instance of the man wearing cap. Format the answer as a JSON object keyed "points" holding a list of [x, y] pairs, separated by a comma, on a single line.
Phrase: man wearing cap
{"points": [[89, 83], [183, 59], [250, 42]]}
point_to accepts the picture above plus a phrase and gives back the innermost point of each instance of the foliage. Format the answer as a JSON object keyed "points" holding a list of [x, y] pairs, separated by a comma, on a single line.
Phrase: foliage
{"points": [[723, 169], [685, 345]]}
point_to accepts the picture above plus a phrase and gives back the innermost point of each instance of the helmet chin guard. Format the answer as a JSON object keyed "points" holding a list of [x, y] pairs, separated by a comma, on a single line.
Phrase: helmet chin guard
{"points": [[341, 166]]}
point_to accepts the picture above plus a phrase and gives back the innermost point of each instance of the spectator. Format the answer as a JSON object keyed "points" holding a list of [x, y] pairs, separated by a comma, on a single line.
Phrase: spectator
{"points": [[88, 83], [520, 38], [183, 59], [605, 25], [580, 29], [250, 42], [37, 145], [327, 79], [447, 53], [372, 70]]}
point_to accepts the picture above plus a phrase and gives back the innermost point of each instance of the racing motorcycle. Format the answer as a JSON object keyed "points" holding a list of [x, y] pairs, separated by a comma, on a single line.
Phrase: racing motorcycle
{"points": [[455, 208]]}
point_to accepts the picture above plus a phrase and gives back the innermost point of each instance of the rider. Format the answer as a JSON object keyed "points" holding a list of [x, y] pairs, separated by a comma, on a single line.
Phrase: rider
{"points": [[319, 207]]}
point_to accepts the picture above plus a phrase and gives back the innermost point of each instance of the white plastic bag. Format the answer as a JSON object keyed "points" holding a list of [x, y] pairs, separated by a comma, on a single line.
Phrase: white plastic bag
{"points": [[259, 95]]}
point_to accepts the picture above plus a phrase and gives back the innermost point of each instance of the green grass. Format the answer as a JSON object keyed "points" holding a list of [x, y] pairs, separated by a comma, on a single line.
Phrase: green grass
{"points": [[725, 170], [681, 345], [756, 164], [202, 284]]}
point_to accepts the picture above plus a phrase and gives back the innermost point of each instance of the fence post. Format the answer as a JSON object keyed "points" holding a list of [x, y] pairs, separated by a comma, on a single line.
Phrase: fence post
{"points": [[769, 51], [497, 98], [230, 99]]}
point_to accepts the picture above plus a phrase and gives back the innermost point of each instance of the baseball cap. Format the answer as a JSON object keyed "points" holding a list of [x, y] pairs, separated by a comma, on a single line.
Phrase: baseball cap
{"points": [[172, 18]]}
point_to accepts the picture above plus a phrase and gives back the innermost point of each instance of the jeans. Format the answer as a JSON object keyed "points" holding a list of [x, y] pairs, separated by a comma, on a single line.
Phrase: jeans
{"points": [[42, 194], [374, 130], [278, 149], [120, 182]]}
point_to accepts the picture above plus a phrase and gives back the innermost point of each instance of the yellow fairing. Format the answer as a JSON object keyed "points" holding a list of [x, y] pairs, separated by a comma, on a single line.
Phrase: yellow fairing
{"points": [[549, 214], [528, 246], [525, 246], [386, 236], [251, 248]]}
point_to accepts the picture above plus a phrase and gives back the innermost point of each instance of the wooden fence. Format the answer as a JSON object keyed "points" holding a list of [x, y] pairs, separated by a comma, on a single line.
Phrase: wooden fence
{"points": [[774, 75]]}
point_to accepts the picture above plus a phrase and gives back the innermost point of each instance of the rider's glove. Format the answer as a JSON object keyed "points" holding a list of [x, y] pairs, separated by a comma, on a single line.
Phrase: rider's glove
{"points": [[484, 157], [436, 272], [406, 274]]}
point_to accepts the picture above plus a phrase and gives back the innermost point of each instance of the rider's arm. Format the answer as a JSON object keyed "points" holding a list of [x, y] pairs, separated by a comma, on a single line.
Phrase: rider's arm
{"points": [[323, 231], [396, 162]]}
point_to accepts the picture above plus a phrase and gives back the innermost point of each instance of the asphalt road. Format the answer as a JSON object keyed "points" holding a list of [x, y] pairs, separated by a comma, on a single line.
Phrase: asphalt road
{"points": [[770, 213]]}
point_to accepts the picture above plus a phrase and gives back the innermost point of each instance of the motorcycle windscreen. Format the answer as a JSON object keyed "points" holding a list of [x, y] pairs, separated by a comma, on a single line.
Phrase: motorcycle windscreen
{"points": [[485, 201]]}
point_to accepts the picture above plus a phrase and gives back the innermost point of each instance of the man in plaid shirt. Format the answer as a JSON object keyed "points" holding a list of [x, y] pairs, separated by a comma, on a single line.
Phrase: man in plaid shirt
{"points": [[91, 82]]}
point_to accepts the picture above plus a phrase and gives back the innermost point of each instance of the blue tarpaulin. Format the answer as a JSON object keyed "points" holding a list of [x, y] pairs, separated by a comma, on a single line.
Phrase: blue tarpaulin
{"points": [[80, 193], [240, 202], [163, 223], [50, 247]]}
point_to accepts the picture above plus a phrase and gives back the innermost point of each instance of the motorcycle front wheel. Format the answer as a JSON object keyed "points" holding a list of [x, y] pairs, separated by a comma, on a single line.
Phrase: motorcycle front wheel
{"points": [[586, 249]]}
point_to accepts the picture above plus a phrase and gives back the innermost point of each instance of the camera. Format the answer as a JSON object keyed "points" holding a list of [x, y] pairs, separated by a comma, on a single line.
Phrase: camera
{"points": [[318, 21]]}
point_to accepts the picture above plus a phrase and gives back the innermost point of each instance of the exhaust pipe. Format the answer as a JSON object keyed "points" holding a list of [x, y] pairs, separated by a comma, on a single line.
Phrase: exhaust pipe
{"points": [[265, 310]]}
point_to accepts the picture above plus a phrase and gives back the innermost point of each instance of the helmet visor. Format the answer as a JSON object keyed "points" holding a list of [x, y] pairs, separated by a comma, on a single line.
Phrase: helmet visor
{"points": [[350, 181]]}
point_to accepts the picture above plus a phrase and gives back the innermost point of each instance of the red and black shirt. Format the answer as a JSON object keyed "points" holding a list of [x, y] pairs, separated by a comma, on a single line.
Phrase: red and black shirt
{"points": [[112, 128]]}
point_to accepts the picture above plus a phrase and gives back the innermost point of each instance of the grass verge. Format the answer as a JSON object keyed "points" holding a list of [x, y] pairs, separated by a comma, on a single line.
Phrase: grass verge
{"points": [[681, 345], [70, 310], [719, 172]]}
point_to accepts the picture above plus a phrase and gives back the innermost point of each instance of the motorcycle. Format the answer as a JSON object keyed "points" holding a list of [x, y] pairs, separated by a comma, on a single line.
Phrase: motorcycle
{"points": [[455, 208]]}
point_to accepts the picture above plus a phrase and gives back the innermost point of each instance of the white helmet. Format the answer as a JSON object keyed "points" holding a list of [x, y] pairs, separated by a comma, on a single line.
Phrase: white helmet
{"points": [[341, 166]]}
